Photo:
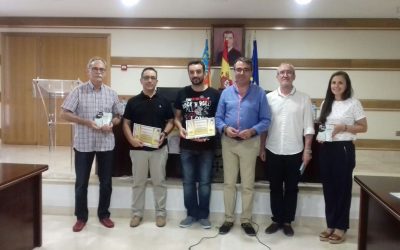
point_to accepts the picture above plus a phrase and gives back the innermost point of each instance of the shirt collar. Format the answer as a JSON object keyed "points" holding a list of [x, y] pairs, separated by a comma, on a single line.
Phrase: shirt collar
{"points": [[148, 97], [236, 88], [92, 86], [291, 92]]}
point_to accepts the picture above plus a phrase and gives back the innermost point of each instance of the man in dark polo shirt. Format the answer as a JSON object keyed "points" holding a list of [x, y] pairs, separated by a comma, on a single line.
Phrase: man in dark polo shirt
{"points": [[148, 119]]}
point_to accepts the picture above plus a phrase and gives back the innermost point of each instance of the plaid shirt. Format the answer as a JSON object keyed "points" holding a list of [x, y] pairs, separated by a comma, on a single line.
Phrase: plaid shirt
{"points": [[86, 103]]}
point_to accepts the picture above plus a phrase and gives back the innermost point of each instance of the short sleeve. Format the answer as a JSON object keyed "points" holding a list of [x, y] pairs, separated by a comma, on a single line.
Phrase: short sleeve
{"points": [[358, 110], [71, 101]]}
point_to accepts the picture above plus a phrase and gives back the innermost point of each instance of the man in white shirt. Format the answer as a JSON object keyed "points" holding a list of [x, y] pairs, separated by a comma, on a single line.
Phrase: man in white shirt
{"points": [[285, 148]]}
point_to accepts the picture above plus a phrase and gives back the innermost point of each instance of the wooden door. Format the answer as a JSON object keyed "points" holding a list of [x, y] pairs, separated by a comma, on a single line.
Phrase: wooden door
{"points": [[56, 56], [20, 57]]}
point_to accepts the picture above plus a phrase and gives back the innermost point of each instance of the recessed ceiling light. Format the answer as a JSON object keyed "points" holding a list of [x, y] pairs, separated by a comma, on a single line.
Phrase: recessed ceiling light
{"points": [[129, 3], [303, 2]]}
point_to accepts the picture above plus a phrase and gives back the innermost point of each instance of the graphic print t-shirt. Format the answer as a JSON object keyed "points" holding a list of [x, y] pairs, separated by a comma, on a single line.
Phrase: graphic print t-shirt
{"points": [[196, 105]]}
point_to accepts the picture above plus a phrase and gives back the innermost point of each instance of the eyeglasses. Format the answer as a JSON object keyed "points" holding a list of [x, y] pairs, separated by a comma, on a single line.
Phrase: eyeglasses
{"points": [[286, 72], [96, 69], [149, 78], [242, 70]]}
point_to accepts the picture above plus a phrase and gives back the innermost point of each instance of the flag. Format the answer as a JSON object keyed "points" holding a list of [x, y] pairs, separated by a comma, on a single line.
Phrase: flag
{"points": [[206, 60], [225, 79], [254, 59]]}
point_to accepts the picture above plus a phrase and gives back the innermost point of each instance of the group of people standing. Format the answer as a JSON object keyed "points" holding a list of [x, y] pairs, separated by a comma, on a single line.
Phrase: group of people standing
{"points": [[278, 127]]}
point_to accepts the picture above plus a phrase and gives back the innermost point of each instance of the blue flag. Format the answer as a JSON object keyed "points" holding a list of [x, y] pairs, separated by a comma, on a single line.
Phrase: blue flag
{"points": [[255, 79], [206, 60]]}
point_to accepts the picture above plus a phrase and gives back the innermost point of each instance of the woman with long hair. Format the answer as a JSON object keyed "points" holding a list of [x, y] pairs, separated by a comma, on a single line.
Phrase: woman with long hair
{"points": [[345, 116]]}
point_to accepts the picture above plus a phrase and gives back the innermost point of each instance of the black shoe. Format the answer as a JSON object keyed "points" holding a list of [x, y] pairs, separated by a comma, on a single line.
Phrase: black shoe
{"points": [[272, 228], [226, 227], [288, 230], [248, 229]]}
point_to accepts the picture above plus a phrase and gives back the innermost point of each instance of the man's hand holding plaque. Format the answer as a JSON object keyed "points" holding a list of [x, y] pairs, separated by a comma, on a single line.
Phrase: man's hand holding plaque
{"points": [[150, 136], [200, 128]]}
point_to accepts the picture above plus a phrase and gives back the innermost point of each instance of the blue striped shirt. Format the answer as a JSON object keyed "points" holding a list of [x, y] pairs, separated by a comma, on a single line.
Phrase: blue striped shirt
{"points": [[249, 111]]}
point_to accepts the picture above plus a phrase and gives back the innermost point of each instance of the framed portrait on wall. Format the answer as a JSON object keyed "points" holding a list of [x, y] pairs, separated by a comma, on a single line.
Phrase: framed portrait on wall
{"points": [[234, 35]]}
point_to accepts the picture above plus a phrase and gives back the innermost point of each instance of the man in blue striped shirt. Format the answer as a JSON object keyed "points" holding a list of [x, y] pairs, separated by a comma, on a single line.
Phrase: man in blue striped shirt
{"points": [[242, 115]]}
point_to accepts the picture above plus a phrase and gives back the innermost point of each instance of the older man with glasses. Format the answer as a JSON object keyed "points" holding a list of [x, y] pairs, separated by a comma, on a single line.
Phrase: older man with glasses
{"points": [[284, 149], [94, 108]]}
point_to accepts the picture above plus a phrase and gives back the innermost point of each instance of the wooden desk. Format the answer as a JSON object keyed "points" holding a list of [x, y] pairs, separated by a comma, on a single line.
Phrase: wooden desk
{"points": [[379, 222], [21, 205]]}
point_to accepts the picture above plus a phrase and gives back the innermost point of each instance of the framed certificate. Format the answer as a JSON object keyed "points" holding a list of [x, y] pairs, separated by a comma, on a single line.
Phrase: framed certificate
{"points": [[150, 136], [197, 128]]}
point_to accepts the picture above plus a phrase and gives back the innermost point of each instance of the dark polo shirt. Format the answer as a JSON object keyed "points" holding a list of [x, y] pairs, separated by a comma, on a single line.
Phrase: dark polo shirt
{"points": [[150, 111]]}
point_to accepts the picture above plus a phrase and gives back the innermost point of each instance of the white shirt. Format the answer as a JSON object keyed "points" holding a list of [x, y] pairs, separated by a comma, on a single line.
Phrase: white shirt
{"points": [[345, 112], [291, 120]]}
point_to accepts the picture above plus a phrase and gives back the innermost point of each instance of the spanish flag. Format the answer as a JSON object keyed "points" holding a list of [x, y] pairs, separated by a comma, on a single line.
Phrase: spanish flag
{"points": [[225, 79], [206, 60]]}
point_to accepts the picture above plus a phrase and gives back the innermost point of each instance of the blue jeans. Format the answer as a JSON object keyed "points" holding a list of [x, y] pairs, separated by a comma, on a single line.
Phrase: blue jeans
{"points": [[83, 165], [197, 167]]}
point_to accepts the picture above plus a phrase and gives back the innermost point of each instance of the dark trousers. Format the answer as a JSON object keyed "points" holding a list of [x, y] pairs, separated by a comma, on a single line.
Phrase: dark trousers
{"points": [[83, 165], [284, 176], [337, 161]]}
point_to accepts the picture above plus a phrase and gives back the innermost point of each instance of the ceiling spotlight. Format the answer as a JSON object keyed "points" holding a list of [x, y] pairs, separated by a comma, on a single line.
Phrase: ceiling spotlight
{"points": [[129, 3], [303, 2]]}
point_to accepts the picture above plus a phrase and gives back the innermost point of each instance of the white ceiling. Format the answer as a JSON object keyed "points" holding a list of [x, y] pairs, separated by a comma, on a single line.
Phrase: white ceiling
{"points": [[202, 9]]}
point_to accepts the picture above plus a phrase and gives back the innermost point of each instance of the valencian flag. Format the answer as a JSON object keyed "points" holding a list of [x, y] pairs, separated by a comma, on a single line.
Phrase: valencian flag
{"points": [[206, 60], [254, 59], [225, 79]]}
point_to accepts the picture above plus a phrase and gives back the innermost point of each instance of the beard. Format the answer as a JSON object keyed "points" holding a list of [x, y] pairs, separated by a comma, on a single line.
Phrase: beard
{"points": [[197, 80]]}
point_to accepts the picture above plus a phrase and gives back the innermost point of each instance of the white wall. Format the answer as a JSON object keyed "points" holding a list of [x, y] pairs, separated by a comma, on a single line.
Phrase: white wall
{"points": [[327, 44], [298, 44]]}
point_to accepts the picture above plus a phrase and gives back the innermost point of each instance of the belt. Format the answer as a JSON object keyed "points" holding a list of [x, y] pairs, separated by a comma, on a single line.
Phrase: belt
{"points": [[237, 138]]}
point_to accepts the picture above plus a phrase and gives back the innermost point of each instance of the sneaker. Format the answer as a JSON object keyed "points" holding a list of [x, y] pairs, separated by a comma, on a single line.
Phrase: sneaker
{"points": [[205, 223], [135, 221], [79, 225], [248, 229], [107, 222], [226, 227], [273, 228], [187, 222], [160, 221], [288, 230]]}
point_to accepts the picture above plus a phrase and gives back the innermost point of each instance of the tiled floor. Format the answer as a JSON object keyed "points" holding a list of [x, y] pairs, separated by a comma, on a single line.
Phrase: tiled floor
{"points": [[58, 235]]}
